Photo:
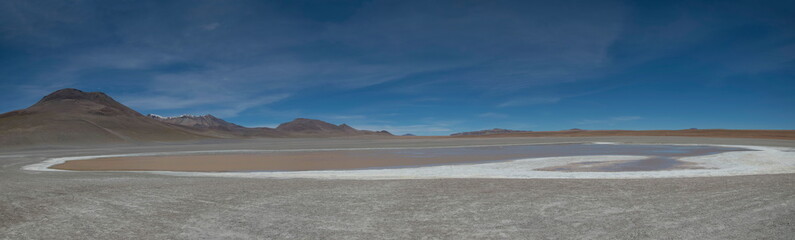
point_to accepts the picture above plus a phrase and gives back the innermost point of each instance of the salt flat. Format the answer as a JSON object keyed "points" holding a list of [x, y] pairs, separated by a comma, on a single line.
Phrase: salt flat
{"points": [[120, 205]]}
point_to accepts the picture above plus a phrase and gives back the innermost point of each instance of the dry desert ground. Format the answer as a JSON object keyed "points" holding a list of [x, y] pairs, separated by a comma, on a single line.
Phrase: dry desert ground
{"points": [[135, 205]]}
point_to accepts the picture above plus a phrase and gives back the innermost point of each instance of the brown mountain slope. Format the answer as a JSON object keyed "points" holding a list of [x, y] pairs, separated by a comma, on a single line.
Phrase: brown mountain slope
{"points": [[73, 117], [70, 116], [311, 127], [204, 121], [211, 125]]}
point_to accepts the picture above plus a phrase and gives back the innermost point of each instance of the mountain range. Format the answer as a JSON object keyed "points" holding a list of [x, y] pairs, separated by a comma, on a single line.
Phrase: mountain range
{"points": [[73, 117], [488, 132], [70, 117], [216, 127]]}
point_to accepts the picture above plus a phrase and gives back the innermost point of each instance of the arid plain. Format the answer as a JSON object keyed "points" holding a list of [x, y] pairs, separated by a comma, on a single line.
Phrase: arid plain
{"points": [[200, 177], [120, 205]]}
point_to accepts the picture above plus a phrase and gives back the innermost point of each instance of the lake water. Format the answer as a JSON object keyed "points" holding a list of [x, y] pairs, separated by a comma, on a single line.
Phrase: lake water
{"points": [[657, 158]]}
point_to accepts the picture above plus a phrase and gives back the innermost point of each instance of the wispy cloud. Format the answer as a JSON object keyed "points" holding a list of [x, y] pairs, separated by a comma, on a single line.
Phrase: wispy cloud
{"points": [[492, 115], [555, 98], [221, 106], [377, 43], [236, 107], [525, 101], [423, 126], [343, 117], [626, 118], [447, 59], [157, 102], [417, 129], [609, 121], [211, 26]]}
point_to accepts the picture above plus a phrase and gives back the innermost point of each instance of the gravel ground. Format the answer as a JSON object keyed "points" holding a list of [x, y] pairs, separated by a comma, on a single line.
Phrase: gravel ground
{"points": [[106, 205]]}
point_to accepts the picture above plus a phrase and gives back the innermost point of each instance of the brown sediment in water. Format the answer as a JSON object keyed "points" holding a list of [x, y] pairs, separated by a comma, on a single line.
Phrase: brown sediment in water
{"points": [[390, 158], [648, 164]]}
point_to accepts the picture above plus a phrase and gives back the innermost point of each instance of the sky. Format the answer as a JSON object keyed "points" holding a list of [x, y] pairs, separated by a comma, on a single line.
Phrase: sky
{"points": [[421, 67]]}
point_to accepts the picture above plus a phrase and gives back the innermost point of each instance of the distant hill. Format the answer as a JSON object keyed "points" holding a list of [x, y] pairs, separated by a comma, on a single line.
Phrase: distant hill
{"points": [[488, 132], [205, 121], [313, 127], [213, 126], [300, 127], [76, 117], [73, 117]]}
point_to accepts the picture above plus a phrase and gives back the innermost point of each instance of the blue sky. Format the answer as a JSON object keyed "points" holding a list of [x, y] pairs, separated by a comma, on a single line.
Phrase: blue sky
{"points": [[422, 67]]}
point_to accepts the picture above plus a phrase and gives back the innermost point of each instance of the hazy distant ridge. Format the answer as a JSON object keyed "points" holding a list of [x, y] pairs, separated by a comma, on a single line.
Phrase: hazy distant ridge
{"points": [[487, 132]]}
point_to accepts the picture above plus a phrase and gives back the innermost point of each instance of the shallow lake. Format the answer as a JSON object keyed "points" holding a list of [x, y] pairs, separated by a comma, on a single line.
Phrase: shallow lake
{"points": [[658, 157]]}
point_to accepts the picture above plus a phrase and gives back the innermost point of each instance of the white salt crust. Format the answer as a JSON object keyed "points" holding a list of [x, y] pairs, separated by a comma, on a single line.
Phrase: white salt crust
{"points": [[763, 160]]}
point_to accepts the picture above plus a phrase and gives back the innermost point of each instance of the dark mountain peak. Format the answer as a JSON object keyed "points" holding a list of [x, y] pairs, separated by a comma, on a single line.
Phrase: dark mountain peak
{"points": [[305, 124], [76, 94], [307, 120], [71, 116], [313, 126], [185, 116], [197, 121], [74, 100], [384, 132], [205, 116]]}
